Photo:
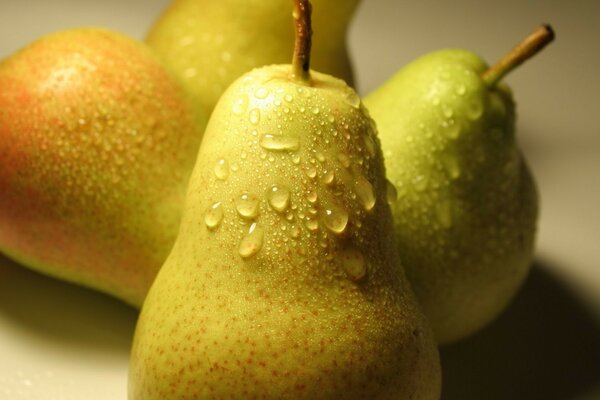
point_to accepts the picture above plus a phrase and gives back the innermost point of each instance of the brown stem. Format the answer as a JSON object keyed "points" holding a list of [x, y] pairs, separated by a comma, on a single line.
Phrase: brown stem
{"points": [[529, 47], [302, 23]]}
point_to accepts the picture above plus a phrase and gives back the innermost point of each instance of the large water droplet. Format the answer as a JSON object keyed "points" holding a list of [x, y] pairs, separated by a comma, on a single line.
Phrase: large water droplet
{"points": [[364, 191], [344, 160], [213, 215], [370, 145], [312, 196], [247, 205], [279, 198], [254, 116], [352, 99], [261, 93], [354, 264], [328, 177], [279, 143], [240, 105], [452, 128], [252, 242], [451, 165], [222, 169], [312, 224], [335, 219], [474, 109], [391, 192]]}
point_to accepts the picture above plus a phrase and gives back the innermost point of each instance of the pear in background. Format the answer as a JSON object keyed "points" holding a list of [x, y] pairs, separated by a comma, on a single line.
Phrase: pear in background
{"points": [[211, 43], [97, 142], [283, 282], [466, 205]]}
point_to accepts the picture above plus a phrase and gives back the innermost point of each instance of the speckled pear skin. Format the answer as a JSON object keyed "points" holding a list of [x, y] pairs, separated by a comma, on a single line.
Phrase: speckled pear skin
{"points": [[467, 205], [97, 142], [209, 43], [284, 282]]}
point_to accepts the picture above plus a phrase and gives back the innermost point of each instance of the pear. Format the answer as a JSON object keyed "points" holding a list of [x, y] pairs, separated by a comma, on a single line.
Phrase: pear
{"points": [[97, 141], [283, 283], [209, 43], [465, 205]]}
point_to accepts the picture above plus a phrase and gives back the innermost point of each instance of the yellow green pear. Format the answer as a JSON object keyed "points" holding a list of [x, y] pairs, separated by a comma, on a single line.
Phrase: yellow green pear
{"points": [[465, 208], [97, 141], [209, 43], [285, 282]]}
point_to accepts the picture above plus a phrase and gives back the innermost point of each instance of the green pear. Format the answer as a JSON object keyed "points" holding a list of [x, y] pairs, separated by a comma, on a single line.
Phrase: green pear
{"points": [[465, 208], [97, 142], [209, 43], [283, 283]]}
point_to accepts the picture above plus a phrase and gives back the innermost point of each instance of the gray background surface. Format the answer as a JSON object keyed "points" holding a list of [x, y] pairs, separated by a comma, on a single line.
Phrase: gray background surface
{"points": [[60, 342]]}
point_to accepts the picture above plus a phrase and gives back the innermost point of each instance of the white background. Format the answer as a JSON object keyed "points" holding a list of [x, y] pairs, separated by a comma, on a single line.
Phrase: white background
{"points": [[61, 342]]}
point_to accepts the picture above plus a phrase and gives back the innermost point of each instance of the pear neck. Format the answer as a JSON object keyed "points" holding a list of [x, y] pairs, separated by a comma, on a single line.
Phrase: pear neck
{"points": [[525, 50]]}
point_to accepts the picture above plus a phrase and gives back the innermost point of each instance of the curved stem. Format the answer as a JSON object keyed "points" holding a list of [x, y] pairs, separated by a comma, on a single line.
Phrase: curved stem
{"points": [[529, 47], [302, 23]]}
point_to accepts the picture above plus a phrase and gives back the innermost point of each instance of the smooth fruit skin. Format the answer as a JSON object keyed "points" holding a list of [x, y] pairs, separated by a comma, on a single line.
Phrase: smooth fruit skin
{"points": [[209, 43], [466, 206], [97, 142], [283, 283]]}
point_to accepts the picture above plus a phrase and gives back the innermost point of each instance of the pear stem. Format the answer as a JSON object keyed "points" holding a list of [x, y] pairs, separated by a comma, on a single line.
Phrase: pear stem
{"points": [[302, 22], [529, 47]]}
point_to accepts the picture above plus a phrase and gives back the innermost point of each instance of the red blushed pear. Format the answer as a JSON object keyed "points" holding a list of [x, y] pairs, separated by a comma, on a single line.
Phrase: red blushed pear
{"points": [[97, 142]]}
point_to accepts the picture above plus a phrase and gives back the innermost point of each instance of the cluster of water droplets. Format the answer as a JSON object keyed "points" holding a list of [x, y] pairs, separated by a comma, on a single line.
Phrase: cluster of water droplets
{"points": [[327, 198]]}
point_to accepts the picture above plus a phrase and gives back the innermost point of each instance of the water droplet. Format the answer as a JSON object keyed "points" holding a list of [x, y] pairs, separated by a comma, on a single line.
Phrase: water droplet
{"points": [[444, 214], [352, 99], [247, 205], [296, 159], [213, 215], [279, 198], [261, 93], [364, 191], [344, 160], [391, 192], [279, 143], [252, 242], [240, 105], [320, 157], [254, 116], [316, 110], [312, 196], [295, 232], [222, 169], [335, 219], [475, 110], [288, 97], [452, 128], [452, 168], [354, 264], [328, 177], [312, 224], [370, 145], [448, 112], [311, 172]]}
